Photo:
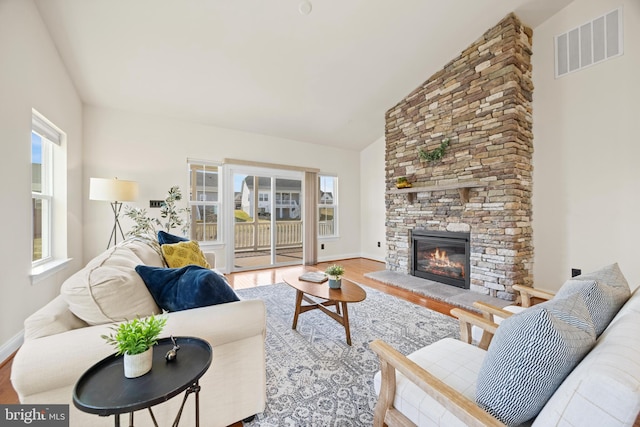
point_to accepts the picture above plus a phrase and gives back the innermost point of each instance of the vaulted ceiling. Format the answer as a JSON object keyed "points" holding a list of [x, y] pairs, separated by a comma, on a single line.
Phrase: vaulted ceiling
{"points": [[261, 66]]}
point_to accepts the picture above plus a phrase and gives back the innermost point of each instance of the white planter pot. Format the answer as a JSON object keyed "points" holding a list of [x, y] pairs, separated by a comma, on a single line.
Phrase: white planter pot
{"points": [[137, 365], [335, 282]]}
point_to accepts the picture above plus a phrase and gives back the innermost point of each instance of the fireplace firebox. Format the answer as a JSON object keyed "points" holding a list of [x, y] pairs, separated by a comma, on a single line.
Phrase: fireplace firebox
{"points": [[441, 256]]}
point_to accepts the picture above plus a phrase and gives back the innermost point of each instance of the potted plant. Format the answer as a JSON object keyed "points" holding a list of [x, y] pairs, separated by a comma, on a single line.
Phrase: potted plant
{"points": [[135, 340], [145, 225], [402, 182], [335, 273]]}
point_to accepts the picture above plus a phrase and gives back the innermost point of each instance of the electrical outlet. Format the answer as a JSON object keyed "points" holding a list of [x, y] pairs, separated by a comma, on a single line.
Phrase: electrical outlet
{"points": [[575, 272], [378, 244], [156, 203], [321, 245]]}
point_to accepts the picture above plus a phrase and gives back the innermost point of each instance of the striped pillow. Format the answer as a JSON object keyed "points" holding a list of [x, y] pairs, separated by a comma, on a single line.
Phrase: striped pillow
{"points": [[604, 292], [530, 355]]}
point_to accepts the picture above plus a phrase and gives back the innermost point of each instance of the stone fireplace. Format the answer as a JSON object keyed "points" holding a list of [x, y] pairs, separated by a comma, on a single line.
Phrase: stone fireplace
{"points": [[481, 103]]}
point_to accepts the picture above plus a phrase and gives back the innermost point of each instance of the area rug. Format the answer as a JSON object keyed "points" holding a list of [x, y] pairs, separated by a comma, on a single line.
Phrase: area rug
{"points": [[313, 377]]}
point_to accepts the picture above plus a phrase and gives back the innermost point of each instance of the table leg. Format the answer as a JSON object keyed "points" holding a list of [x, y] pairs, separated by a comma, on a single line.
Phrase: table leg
{"points": [[299, 295], [131, 419], [197, 405], [345, 319], [116, 420]]}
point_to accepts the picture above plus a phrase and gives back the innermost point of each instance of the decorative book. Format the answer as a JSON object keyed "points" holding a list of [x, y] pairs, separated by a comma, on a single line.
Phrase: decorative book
{"points": [[315, 277]]}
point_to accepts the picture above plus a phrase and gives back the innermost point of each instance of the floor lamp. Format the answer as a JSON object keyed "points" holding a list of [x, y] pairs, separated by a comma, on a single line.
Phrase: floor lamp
{"points": [[115, 191]]}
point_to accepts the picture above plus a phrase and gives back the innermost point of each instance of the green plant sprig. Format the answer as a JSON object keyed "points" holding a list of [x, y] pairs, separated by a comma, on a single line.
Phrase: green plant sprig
{"points": [[335, 270], [437, 153], [137, 335]]}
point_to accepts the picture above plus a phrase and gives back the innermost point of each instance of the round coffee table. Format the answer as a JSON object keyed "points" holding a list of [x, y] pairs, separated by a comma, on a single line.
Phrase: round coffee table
{"points": [[104, 390], [348, 292]]}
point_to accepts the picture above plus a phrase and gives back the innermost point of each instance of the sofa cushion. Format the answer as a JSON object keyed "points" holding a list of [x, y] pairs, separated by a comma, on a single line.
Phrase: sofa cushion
{"points": [[604, 389], [168, 238], [553, 336], [452, 361], [176, 289], [108, 289], [184, 253], [604, 292], [147, 249]]}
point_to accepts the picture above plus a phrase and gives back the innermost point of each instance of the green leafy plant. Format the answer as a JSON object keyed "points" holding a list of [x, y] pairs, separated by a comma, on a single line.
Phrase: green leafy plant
{"points": [[335, 270], [170, 212], [137, 335], [437, 153]]}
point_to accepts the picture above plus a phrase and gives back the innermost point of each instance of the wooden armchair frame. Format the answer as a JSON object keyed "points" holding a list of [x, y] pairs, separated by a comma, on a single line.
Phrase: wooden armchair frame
{"points": [[458, 404], [455, 402]]}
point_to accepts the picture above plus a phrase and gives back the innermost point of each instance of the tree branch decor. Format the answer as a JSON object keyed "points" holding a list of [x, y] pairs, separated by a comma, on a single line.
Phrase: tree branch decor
{"points": [[435, 154]]}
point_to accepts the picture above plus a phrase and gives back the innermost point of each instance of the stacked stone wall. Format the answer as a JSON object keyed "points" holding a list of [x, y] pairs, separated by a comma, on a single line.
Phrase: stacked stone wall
{"points": [[481, 101]]}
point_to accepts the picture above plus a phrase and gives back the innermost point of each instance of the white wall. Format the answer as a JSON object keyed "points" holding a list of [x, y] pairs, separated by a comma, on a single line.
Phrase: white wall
{"points": [[153, 151], [587, 149], [372, 207], [32, 76]]}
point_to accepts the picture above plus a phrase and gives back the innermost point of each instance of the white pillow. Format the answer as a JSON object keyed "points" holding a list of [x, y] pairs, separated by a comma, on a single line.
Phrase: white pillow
{"points": [[108, 289]]}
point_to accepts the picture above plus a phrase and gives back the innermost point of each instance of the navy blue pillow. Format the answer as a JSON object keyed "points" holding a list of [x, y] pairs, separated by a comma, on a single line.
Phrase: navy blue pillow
{"points": [[164, 238], [176, 289]]}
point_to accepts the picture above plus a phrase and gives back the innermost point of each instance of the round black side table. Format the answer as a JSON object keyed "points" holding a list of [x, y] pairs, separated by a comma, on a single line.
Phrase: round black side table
{"points": [[104, 390]]}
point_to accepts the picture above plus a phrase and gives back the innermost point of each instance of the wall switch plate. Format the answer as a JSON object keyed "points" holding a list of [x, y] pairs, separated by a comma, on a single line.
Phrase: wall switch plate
{"points": [[576, 272], [156, 203]]}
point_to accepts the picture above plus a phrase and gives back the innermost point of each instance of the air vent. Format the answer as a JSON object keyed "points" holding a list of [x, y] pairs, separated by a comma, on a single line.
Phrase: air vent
{"points": [[589, 44]]}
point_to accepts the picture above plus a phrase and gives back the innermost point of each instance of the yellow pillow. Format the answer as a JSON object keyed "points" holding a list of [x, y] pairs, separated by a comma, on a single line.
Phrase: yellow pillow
{"points": [[184, 253]]}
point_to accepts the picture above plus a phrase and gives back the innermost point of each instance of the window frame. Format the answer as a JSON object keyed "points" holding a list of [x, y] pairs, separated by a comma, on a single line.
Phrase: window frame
{"points": [[333, 205], [49, 138], [218, 204]]}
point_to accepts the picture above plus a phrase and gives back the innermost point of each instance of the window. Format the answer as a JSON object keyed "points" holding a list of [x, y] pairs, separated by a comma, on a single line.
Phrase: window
{"points": [[327, 206], [44, 139], [204, 201]]}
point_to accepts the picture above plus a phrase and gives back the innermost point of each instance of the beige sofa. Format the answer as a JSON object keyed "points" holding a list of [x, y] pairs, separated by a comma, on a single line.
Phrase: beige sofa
{"points": [[60, 346]]}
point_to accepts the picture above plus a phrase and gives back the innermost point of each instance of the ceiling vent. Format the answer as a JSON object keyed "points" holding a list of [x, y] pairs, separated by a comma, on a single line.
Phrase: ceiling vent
{"points": [[589, 44]]}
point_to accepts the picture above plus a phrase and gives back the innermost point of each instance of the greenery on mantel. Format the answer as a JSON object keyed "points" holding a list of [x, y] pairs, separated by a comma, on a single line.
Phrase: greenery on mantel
{"points": [[435, 154]]}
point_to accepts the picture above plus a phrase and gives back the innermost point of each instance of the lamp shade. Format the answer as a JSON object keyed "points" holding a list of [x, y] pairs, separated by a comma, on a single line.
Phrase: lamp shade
{"points": [[113, 190]]}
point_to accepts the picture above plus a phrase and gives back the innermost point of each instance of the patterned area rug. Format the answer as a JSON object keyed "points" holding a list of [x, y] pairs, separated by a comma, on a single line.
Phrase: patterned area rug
{"points": [[313, 377]]}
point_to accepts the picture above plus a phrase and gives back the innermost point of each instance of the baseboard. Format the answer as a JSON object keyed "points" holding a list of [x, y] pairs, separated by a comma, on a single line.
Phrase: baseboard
{"points": [[10, 347], [338, 257]]}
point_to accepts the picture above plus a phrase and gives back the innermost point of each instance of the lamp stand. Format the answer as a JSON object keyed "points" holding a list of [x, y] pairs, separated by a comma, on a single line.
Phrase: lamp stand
{"points": [[115, 206]]}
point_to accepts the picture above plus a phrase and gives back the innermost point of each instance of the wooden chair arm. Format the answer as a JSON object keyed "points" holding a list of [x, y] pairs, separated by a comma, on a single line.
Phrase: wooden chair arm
{"points": [[459, 405], [527, 292], [467, 320], [492, 310]]}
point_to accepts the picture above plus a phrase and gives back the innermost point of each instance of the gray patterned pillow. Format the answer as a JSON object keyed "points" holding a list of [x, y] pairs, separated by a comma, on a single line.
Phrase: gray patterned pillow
{"points": [[530, 355], [604, 292]]}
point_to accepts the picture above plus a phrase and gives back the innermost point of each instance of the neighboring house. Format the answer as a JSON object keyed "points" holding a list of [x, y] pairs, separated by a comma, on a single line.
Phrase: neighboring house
{"points": [[287, 203]]}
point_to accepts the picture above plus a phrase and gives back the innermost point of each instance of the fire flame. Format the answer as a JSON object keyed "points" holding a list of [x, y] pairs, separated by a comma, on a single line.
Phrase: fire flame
{"points": [[440, 262]]}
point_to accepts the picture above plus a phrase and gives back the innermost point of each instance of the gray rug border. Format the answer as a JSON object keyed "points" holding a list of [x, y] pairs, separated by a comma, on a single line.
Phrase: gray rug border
{"points": [[458, 297]]}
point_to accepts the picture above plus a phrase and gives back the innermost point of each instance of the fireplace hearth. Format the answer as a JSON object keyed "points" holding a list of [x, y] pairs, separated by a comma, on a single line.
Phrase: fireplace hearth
{"points": [[441, 256]]}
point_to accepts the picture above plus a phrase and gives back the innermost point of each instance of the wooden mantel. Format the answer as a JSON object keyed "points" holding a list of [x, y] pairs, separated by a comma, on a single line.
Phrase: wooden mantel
{"points": [[462, 187]]}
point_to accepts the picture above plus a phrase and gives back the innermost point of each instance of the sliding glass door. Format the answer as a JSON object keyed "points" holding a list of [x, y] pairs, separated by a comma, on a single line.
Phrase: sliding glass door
{"points": [[267, 210]]}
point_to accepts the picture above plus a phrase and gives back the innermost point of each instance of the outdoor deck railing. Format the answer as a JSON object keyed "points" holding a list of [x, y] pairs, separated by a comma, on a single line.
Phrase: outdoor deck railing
{"points": [[288, 233]]}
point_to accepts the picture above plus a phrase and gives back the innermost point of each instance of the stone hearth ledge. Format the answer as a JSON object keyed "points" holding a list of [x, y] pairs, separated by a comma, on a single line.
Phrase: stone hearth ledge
{"points": [[458, 297]]}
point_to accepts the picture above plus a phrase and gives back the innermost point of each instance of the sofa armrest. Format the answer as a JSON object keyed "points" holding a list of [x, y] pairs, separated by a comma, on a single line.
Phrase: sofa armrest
{"points": [[459, 405], [57, 361], [53, 318]]}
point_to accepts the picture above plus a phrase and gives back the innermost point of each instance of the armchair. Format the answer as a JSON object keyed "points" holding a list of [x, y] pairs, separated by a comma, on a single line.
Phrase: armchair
{"points": [[437, 384]]}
